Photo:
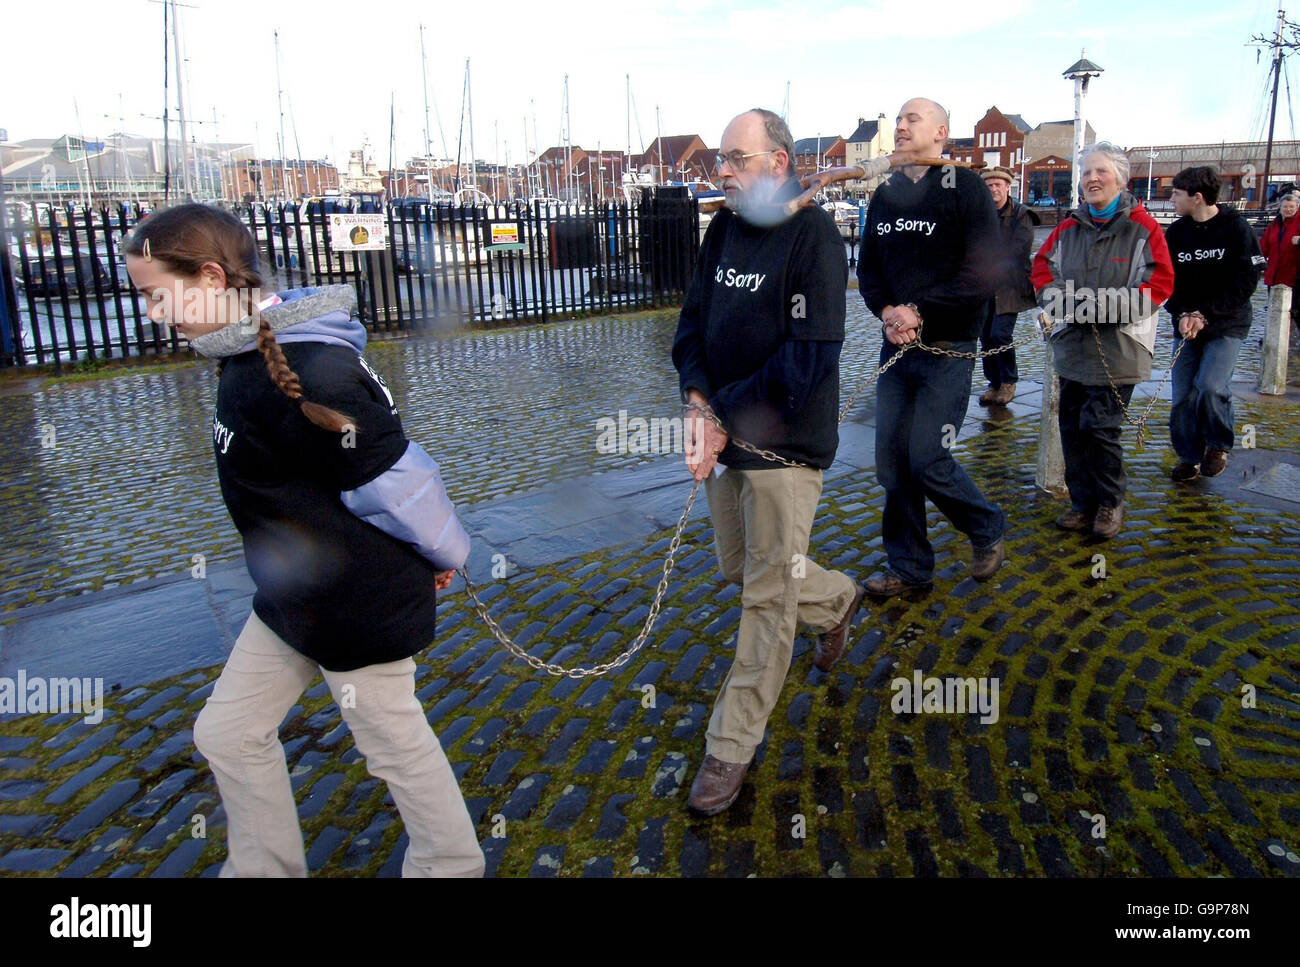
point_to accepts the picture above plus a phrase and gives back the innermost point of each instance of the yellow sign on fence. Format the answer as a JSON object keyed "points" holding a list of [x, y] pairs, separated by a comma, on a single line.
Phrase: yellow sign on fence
{"points": [[505, 234]]}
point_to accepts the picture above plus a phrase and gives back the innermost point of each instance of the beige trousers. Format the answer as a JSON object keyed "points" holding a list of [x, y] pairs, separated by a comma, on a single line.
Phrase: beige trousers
{"points": [[761, 523], [238, 733]]}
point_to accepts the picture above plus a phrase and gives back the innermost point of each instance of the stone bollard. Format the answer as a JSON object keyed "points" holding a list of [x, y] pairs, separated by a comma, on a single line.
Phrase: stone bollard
{"points": [[1051, 458], [1277, 336]]}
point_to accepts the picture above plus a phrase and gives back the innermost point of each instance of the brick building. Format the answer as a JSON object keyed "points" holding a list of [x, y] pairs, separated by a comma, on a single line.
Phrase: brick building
{"points": [[813, 154], [260, 179]]}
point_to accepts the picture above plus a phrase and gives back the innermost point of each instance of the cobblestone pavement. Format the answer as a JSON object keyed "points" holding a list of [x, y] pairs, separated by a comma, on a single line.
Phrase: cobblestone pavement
{"points": [[1159, 703], [127, 492]]}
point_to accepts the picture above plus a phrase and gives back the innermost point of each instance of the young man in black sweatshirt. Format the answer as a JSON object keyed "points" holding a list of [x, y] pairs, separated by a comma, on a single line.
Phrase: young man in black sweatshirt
{"points": [[927, 269], [758, 346], [1217, 263]]}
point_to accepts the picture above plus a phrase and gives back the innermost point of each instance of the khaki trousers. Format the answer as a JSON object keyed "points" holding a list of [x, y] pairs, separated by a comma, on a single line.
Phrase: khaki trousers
{"points": [[761, 523], [238, 733]]}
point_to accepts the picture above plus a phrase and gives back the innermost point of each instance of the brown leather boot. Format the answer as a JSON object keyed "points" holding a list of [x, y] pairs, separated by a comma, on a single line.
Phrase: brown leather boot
{"points": [[716, 785], [1006, 393], [1108, 521], [1074, 520], [886, 584], [830, 644], [989, 396], [984, 564], [1214, 463]]}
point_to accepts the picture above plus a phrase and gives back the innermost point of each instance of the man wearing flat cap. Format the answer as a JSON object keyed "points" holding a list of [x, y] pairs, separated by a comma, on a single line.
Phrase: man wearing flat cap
{"points": [[1015, 293]]}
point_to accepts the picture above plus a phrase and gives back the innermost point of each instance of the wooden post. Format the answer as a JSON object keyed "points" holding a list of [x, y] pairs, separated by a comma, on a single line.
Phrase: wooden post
{"points": [[1277, 336], [1051, 458]]}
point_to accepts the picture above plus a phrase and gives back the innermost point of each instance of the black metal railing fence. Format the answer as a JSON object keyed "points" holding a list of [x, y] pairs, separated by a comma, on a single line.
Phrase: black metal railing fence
{"points": [[67, 295]]}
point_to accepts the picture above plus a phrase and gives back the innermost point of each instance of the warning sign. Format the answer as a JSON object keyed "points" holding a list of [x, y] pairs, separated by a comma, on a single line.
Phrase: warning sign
{"points": [[504, 236], [358, 233]]}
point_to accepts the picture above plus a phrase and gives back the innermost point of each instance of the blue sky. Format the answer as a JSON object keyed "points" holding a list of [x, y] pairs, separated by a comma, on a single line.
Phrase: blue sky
{"points": [[1174, 72]]}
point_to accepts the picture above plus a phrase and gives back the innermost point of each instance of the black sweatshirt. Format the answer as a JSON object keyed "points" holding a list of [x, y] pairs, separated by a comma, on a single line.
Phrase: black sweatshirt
{"points": [[1216, 268], [760, 333], [933, 243], [334, 587]]}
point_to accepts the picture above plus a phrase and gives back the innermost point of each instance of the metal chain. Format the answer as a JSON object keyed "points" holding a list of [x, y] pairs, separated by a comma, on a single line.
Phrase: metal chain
{"points": [[1141, 421], [559, 671], [602, 669]]}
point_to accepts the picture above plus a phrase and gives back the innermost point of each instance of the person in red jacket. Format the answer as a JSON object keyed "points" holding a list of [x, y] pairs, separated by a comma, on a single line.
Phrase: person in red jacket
{"points": [[1281, 243], [1281, 246], [1101, 276]]}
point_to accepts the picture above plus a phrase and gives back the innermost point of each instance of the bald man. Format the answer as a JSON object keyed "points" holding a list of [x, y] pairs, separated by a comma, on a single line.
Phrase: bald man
{"points": [[926, 270], [758, 346]]}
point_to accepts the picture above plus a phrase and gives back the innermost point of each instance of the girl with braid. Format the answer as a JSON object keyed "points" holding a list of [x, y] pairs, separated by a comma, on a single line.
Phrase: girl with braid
{"points": [[348, 534]]}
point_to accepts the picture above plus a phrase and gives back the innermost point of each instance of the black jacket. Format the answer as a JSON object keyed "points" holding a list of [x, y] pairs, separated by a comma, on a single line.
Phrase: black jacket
{"points": [[332, 523], [761, 329], [1217, 264], [1015, 291], [932, 242]]}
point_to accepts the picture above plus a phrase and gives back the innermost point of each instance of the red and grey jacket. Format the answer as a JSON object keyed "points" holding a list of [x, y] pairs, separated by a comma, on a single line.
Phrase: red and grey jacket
{"points": [[1283, 254], [1104, 281]]}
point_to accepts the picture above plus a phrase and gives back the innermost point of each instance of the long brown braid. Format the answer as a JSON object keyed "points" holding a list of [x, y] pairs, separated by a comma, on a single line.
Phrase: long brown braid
{"points": [[287, 380], [186, 237]]}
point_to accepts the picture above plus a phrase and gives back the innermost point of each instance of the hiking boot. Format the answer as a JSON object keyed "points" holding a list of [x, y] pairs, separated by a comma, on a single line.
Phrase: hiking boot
{"points": [[1006, 393], [1074, 520], [886, 584], [1214, 463], [1185, 472], [985, 563], [989, 396], [830, 645], [1108, 521], [716, 785]]}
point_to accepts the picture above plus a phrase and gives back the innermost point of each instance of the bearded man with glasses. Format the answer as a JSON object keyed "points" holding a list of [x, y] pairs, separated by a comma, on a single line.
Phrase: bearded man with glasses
{"points": [[758, 348]]}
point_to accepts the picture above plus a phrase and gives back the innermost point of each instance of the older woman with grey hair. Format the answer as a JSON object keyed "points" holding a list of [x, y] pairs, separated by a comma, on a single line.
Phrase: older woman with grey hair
{"points": [[1101, 276]]}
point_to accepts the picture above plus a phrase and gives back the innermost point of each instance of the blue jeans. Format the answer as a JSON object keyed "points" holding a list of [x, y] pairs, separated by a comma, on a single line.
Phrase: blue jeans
{"points": [[999, 330], [920, 396], [1201, 416]]}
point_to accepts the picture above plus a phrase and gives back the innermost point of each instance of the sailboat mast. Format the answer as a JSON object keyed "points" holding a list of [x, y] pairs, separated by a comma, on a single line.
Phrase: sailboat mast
{"points": [[1272, 116], [301, 179], [469, 105], [460, 135], [180, 103], [568, 143], [424, 72], [659, 138], [279, 93], [167, 143]]}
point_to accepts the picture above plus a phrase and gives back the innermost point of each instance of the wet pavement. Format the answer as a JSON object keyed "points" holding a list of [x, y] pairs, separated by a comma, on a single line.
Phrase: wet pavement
{"points": [[1151, 696]]}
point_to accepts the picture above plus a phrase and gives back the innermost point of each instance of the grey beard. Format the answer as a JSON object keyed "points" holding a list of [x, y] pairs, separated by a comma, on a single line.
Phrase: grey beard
{"points": [[755, 204]]}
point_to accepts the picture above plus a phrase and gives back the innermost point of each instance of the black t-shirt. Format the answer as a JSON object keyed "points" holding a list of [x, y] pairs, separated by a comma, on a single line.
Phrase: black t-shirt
{"points": [[760, 331], [1217, 264], [934, 243], [335, 588]]}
